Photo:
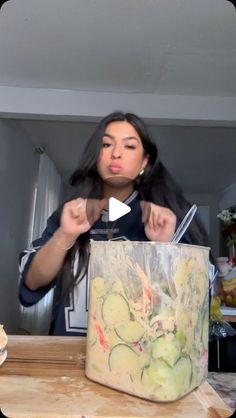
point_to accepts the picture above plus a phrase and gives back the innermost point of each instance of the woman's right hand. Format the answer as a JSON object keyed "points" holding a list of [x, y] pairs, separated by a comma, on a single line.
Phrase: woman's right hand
{"points": [[79, 215]]}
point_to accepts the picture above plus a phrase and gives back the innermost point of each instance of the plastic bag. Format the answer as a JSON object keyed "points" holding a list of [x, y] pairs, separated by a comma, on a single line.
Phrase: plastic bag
{"points": [[218, 328]]}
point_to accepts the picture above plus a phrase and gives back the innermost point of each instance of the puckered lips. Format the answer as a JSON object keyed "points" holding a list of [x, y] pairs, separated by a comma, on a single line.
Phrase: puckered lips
{"points": [[115, 168]]}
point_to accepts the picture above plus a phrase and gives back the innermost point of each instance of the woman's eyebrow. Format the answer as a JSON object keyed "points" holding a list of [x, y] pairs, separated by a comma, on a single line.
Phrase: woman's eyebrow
{"points": [[131, 137], [108, 135], [126, 137]]}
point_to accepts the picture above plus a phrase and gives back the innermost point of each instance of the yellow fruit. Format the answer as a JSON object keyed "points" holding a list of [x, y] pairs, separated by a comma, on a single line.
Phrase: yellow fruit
{"points": [[229, 284], [215, 302], [215, 312], [228, 299]]}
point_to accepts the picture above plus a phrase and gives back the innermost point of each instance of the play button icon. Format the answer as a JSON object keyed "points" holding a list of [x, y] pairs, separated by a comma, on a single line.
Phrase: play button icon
{"points": [[117, 209]]}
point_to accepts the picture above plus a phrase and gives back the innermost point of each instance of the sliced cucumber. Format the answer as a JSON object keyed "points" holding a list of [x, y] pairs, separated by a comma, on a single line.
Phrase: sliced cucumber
{"points": [[182, 274], [166, 392], [205, 330], [92, 340], [98, 285], [158, 334], [201, 285], [117, 286], [130, 332], [160, 380], [115, 310], [198, 375], [194, 377], [182, 316], [113, 339], [183, 374], [167, 348], [123, 360], [186, 321], [144, 360], [91, 336], [157, 373], [181, 337]]}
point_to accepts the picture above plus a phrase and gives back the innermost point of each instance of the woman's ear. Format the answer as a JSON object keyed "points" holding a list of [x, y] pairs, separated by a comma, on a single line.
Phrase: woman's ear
{"points": [[145, 161], [144, 164]]}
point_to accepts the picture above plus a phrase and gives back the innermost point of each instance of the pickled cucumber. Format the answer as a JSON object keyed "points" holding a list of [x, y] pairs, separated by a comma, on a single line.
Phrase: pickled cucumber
{"points": [[130, 332], [166, 348], [166, 382], [205, 330], [115, 310], [183, 374], [186, 321], [181, 337], [182, 274], [98, 286], [201, 287], [91, 337], [144, 360], [158, 378], [113, 339], [123, 360]]}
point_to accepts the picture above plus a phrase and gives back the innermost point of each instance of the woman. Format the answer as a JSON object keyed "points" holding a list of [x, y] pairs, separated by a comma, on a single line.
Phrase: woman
{"points": [[119, 161]]}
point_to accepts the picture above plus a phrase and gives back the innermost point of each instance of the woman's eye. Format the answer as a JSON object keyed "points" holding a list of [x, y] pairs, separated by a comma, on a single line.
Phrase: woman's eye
{"points": [[105, 145], [130, 146]]}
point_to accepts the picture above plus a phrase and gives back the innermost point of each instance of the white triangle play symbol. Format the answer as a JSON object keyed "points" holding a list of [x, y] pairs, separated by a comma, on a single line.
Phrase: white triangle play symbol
{"points": [[117, 209]]}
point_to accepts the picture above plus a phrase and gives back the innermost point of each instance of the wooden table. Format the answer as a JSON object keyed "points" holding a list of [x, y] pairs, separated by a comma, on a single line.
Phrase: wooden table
{"points": [[229, 318], [43, 377]]}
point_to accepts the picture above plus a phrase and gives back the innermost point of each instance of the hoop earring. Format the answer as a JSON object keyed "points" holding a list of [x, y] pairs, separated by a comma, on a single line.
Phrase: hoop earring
{"points": [[141, 172]]}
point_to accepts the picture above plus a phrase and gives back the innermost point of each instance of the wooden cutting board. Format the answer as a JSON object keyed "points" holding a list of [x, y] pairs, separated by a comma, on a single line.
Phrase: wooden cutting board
{"points": [[44, 378]]}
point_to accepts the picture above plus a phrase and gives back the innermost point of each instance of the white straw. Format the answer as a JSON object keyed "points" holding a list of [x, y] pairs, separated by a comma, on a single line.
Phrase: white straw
{"points": [[184, 224]]}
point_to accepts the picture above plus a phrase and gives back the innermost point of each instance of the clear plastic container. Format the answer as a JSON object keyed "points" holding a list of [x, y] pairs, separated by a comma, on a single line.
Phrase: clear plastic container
{"points": [[148, 318]]}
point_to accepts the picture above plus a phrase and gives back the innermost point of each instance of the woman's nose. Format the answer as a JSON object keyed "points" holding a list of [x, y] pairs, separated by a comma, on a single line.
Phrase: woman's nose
{"points": [[116, 152]]}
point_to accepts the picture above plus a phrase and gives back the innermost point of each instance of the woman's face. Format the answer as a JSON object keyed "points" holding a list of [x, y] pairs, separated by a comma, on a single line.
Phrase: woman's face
{"points": [[122, 154]]}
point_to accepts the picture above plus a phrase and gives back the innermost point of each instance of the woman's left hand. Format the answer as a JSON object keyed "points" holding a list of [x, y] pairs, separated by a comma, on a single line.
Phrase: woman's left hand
{"points": [[159, 222]]}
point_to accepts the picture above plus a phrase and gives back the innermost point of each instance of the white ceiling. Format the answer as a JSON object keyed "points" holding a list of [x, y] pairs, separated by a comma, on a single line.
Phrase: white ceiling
{"points": [[157, 57], [149, 46]]}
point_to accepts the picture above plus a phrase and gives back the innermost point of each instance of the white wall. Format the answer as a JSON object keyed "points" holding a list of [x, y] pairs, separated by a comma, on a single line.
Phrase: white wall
{"points": [[18, 173], [208, 202], [228, 197]]}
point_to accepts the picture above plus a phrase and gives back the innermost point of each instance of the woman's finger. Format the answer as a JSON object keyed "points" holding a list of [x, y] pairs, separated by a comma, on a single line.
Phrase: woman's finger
{"points": [[156, 221], [146, 210], [150, 218]]}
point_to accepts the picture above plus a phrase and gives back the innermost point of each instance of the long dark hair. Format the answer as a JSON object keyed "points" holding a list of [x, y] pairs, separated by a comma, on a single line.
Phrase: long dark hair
{"points": [[155, 185]]}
